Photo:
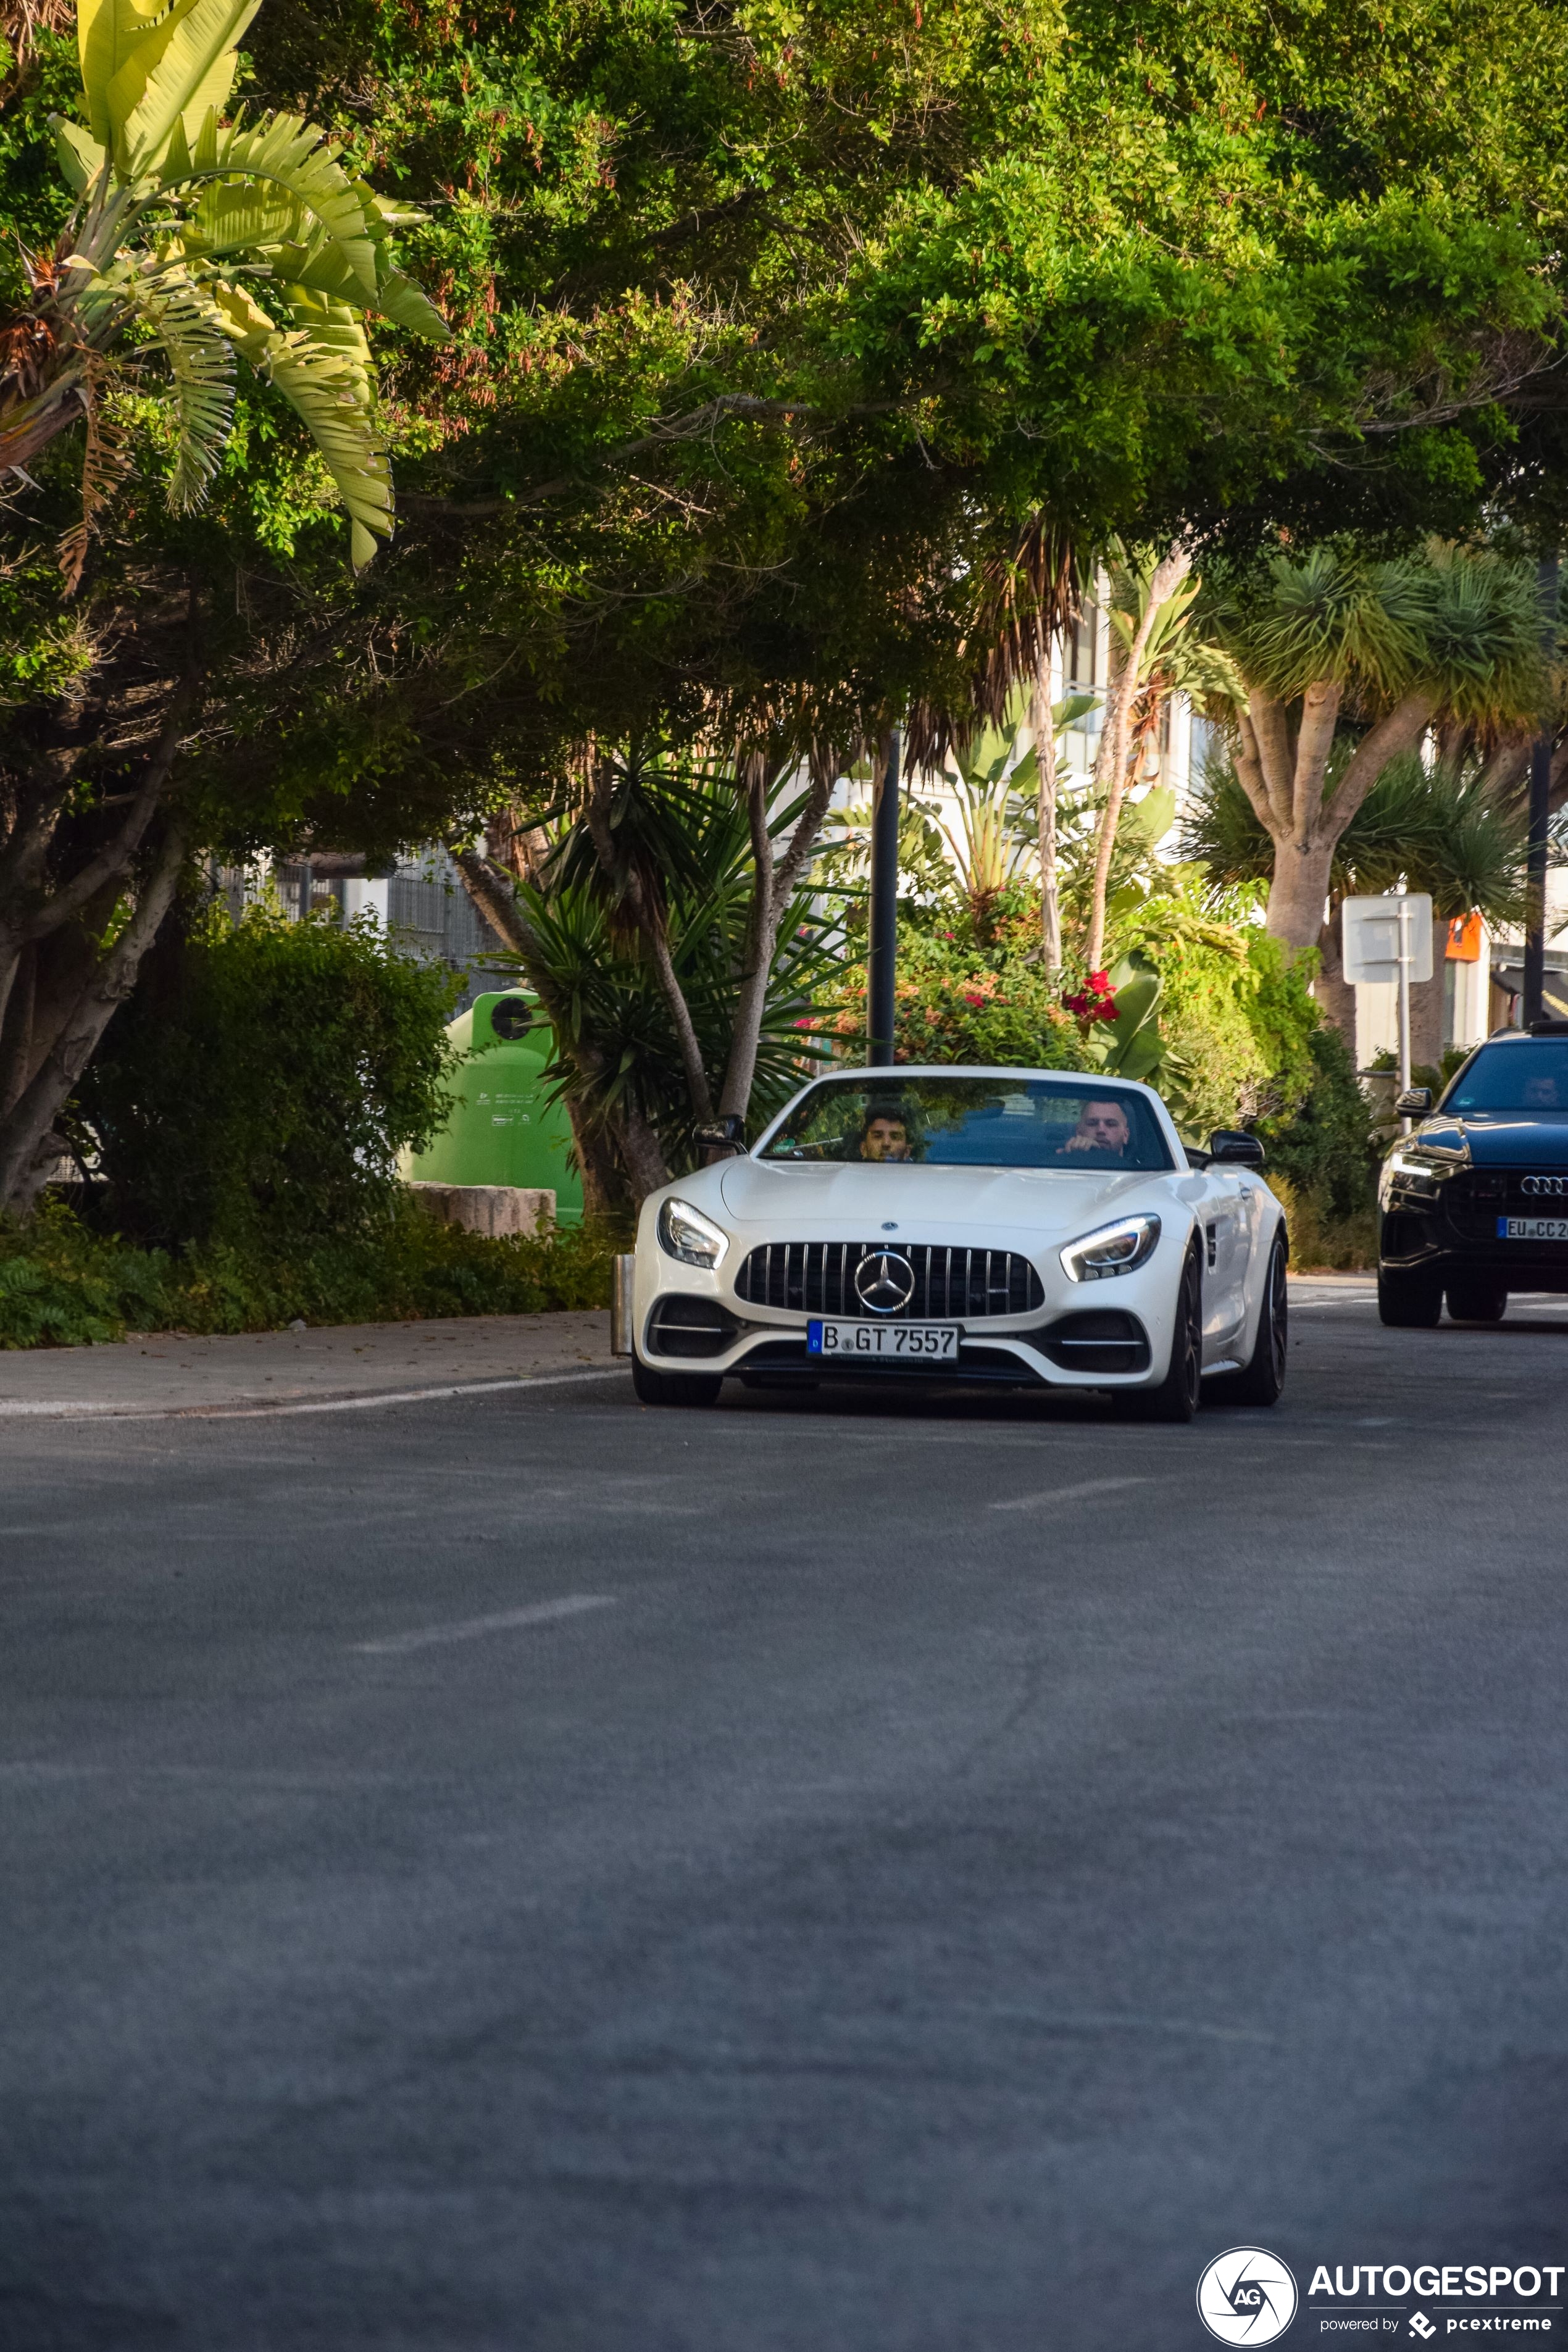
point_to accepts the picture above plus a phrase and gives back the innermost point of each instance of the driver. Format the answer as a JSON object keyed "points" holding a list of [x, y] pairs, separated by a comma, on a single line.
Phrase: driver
{"points": [[884, 1134], [1101, 1127], [1540, 1092]]}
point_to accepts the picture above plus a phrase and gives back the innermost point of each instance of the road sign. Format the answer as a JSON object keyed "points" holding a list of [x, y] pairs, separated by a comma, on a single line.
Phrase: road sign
{"points": [[1372, 933]]}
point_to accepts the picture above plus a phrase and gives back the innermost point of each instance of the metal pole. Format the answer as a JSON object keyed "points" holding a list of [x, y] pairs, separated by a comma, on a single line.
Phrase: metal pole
{"points": [[883, 957], [1540, 821], [1403, 1002]]}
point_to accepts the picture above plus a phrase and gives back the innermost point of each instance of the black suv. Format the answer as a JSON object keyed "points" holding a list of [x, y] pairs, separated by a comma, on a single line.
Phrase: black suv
{"points": [[1474, 1203]]}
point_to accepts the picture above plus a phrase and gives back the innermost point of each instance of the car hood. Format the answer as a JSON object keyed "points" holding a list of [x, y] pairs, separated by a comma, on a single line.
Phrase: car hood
{"points": [[1501, 1140], [790, 1201]]}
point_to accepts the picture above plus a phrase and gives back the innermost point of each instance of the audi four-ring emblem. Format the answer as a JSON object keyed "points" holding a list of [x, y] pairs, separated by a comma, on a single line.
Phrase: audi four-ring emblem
{"points": [[884, 1282], [1552, 1186]]}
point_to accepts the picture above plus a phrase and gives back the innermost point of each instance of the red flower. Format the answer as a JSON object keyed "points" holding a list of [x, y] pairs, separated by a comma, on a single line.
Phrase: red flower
{"points": [[1108, 1013], [1099, 982], [972, 997]]}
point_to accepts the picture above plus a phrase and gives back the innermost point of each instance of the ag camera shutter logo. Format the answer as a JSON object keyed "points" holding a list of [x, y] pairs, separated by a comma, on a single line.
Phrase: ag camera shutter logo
{"points": [[1246, 2295]]}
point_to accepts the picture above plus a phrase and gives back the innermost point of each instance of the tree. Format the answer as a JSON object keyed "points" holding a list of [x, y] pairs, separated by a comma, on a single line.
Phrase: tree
{"points": [[631, 1012], [1443, 830], [180, 221], [1332, 649]]}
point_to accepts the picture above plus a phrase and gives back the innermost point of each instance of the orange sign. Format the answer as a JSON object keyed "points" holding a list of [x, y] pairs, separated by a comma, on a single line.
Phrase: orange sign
{"points": [[1465, 940]]}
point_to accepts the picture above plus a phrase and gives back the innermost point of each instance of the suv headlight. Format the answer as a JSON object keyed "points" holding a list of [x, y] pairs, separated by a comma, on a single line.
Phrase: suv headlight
{"points": [[1111, 1249], [690, 1237]]}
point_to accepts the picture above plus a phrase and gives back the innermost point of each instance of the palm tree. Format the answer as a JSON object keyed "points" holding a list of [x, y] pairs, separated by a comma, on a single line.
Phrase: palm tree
{"points": [[204, 241], [1345, 665], [1157, 652], [1442, 830]]}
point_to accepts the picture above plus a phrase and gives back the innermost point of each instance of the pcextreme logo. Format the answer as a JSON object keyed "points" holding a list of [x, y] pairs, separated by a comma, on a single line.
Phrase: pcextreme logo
{"points": [[1246, 2295]]}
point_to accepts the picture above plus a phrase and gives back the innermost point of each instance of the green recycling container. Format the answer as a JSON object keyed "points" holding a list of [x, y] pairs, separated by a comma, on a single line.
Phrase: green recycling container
{"points": [[504, 1128]]}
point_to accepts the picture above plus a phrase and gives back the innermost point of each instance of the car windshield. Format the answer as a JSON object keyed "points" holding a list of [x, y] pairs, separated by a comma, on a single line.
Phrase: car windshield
{"points": [[1532, 1078], [938, 1122]]}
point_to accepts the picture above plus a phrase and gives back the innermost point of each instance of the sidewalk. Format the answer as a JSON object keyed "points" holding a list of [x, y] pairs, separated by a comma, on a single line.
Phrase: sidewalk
{"points": [[339, 1367]]}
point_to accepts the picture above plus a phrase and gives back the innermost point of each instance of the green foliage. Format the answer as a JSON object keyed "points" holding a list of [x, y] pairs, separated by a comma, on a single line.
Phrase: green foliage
{"points": [[967, 992], [263, 1079], [1324, 1145], [62, 1284], [1443, 829], [684, 828]]}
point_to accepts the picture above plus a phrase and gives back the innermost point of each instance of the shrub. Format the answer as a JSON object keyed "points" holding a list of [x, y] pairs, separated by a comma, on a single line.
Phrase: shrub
{"points": [[256, 1089], [61, 1284], [1326, 1147], [965, 997]]}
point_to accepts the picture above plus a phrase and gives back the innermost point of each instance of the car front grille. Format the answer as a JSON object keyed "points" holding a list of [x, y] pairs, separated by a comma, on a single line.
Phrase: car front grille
{"points": [[1476, 1199], [818, 1279]]}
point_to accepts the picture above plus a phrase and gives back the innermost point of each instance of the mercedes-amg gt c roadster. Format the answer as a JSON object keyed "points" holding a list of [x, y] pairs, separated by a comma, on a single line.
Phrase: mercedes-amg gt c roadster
{"points": [[1031, 1227]]}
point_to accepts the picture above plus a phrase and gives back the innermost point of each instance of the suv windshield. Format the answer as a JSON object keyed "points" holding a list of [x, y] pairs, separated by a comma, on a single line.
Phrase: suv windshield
{"points": [[1532, 1078], [973, 1123]]}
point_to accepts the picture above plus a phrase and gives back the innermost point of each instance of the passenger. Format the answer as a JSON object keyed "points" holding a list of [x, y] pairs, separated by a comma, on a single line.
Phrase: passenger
{"points": [[884, 1134], [1102, 1127], [1542, 1092]]}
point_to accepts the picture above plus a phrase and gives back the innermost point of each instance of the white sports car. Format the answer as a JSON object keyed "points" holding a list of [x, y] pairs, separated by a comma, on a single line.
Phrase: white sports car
{"points": [[1032, 1227]]}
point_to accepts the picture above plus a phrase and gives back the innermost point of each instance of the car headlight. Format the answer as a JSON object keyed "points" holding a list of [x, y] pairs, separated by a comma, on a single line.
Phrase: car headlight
{"points": [[690, 1237], [1413, 1175], [1111, 1249]]}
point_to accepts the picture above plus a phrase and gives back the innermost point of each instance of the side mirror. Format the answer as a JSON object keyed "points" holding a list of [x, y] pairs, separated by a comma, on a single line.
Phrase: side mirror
{"points": [[726, 1134], [1229, 1147], [1414, 1103]]}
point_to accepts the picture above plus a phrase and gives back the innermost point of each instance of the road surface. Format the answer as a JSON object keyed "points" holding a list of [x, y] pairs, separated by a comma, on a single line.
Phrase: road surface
{"points": [[529, 1873]]}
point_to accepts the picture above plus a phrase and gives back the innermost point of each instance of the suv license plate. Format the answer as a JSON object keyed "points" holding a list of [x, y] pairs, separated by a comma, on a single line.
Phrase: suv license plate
{"points": [[867, 1341], [1532, 1229]]}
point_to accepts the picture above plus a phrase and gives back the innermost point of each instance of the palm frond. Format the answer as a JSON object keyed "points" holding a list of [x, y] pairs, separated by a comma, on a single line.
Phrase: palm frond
{"points": [[200, 364], [187, 63], [106, 462]]}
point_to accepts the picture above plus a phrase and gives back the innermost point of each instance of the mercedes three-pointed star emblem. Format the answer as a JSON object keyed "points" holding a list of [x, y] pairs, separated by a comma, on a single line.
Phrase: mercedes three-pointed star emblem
{"points": [[884, 1281]]}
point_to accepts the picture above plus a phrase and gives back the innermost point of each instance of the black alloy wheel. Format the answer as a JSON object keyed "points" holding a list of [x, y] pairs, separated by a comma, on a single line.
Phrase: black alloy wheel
{"points": [[1409, 1298], [1477, 1298], [1176, 1397], [674, 1388], [1262, 1378]]}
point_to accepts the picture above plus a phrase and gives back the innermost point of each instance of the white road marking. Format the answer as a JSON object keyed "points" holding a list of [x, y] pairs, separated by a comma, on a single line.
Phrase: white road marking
{"points": [[62, 1412], [473, 1629], [1069, 1494]]}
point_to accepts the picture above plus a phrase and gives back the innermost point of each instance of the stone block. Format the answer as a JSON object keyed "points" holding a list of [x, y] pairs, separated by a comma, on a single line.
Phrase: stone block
{"points": [[497, 1211]]}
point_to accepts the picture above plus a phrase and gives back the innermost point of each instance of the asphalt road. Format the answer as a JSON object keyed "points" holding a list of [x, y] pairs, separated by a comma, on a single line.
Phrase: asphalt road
{"points": [[874, 1875]]}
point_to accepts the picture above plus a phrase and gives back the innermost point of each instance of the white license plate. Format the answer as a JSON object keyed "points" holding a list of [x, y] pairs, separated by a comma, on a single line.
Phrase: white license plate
{"points": [[931, 1342], [1532, 1229]]}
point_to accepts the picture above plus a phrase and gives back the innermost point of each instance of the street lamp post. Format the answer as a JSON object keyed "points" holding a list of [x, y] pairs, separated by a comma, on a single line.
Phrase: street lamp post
{"points": [[1539, 823], [881, 962]]}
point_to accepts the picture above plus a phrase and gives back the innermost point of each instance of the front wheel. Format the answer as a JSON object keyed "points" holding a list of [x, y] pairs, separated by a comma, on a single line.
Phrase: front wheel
{"points": [[1262, 1377], [1409, 1298], [674, 1388], [1176, 1397]]}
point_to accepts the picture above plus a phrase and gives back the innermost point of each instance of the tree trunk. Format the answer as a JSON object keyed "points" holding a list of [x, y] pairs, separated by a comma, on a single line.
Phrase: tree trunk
{"points": [[773, 888], [1332, 991], [1298, 891], [1427, 1005], [1042, 722], [26, 1130], [1111, 767]]}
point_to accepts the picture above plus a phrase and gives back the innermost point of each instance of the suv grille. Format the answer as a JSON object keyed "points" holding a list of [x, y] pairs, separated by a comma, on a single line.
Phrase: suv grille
{"points": [[818, 1279], [1476, 1199]]}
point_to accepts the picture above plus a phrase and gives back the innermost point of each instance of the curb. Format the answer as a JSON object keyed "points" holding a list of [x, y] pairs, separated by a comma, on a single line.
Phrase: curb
{"points": [[340, 1400]]}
